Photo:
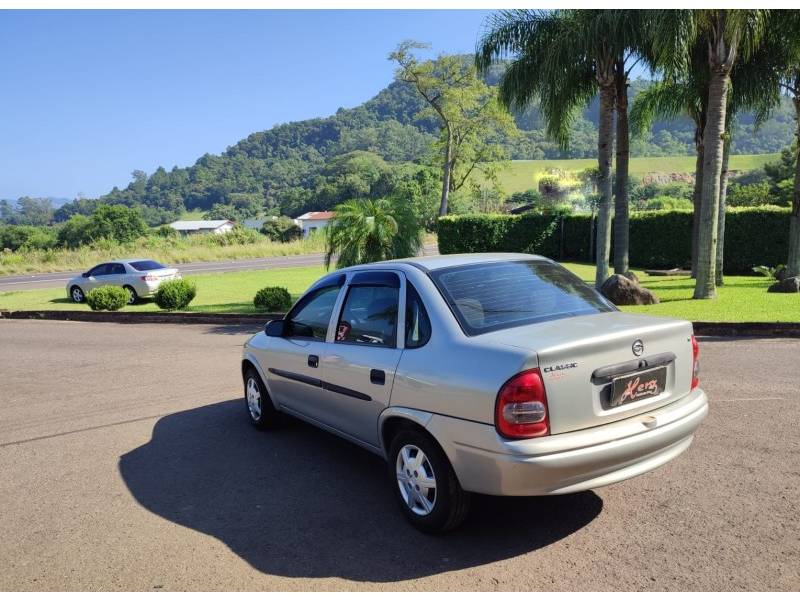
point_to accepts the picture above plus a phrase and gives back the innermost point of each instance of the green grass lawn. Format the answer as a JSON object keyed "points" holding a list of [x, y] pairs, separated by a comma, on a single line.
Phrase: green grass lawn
{"points": [[741, 299], [519, 175]]}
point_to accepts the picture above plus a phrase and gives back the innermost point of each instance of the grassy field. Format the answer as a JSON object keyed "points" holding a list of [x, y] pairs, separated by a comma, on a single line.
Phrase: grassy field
{"points": [[520, 174], [741, 299], [172, 251]]}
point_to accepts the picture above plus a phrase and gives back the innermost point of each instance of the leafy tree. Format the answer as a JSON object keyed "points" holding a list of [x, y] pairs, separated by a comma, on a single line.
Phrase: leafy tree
{"points": [[471, 121], [367, 230]]}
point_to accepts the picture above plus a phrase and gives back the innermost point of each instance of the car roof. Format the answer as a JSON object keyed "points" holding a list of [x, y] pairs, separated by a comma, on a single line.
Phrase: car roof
{"points": [[443, 261]]}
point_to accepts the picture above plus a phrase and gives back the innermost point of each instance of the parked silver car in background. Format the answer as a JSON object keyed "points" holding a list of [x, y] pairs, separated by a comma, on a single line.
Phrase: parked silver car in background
{"points": [[140, 277], [498, 374]]}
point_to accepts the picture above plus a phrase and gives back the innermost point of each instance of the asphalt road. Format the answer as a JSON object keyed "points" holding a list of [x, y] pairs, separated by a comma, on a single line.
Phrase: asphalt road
{"points": [[56, 280], [127, 463]]}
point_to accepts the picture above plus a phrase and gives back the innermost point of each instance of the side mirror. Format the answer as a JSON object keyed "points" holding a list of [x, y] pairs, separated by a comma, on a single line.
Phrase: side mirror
{"points": [[85, 275], [275, 328]]}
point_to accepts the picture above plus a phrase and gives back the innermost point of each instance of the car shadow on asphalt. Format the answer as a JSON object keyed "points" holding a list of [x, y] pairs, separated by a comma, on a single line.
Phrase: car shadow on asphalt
{"points": [[299, 502]]}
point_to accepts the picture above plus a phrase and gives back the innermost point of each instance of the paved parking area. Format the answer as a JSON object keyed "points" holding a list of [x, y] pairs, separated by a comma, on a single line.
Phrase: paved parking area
{"points": [[126, 462]]}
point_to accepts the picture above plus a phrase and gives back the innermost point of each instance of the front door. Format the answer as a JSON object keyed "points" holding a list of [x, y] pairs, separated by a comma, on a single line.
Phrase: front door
{"points": [[293, 362], [360, 364]]}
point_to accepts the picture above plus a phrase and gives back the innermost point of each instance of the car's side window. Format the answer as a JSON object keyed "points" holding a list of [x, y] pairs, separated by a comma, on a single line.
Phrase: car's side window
{"points": [[418, 325], [310, 318], [369, 316], [117, 269], [99, 270]]}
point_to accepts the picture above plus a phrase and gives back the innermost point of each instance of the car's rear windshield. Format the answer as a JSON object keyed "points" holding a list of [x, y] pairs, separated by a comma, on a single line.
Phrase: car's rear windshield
{"points": [[498, 295], [146, 265]]}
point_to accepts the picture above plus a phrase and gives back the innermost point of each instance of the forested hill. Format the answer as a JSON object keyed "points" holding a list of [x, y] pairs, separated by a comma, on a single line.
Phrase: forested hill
{"points": [[310, 165]]}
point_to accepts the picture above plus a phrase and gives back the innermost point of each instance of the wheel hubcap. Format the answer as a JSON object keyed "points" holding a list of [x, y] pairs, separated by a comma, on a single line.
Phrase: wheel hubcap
{"points": [[253, 399], [77, 295], [416, 480], [131, 297]]}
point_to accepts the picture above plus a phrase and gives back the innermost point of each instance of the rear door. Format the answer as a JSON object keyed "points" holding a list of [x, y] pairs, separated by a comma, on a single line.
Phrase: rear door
{"points": [[292, 364], [360, 364]]}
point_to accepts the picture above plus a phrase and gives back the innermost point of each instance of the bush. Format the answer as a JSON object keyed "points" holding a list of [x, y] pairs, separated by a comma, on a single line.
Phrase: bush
{"points": [[273, 299], [15, 237], [107, 297], [282, 229], [658, 239], [175, 294], [753, 194], [234, 237]]}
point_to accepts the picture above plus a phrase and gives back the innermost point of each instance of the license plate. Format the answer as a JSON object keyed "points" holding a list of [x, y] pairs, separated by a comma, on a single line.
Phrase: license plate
{"points": [[639, 386]]}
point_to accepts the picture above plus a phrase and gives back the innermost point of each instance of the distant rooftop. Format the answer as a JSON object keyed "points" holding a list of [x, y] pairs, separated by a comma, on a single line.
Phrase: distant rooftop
{"points": [[317, 216], [196, 225]]}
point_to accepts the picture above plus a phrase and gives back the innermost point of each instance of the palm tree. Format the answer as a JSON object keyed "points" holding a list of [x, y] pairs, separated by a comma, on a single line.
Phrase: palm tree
{"points": [[729, 34], [684, 94], [688, 95], [565, 58], [366, 230]]}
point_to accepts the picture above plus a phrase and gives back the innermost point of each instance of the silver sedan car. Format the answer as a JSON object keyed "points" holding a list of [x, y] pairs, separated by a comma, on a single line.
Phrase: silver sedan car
{"points": [[497, 374], [140, 277]]}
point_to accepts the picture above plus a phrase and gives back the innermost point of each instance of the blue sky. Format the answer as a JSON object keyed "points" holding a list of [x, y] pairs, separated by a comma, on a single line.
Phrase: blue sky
{"points": [[88, 96]]}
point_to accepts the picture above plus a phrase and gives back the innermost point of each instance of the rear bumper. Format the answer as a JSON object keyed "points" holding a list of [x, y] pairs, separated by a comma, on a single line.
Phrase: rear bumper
{"points": [[568, 462]]}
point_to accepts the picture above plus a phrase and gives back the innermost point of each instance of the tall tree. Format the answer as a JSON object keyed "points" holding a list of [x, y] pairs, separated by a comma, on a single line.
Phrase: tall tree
{"points": [[564, 58], [729, 34], [470, 117]]}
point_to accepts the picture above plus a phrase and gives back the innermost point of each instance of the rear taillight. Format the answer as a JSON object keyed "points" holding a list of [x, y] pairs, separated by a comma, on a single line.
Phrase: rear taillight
{"points": [[521, 407], [149, 278], [695, 363]]}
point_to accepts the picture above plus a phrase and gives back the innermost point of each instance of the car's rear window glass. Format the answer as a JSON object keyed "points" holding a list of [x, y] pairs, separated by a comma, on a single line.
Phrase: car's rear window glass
{"points": [[491, 296], [147, 265]]}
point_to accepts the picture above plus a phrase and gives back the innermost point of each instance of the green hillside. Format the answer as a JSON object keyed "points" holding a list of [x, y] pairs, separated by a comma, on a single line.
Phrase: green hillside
{"points": [[385, 145]]}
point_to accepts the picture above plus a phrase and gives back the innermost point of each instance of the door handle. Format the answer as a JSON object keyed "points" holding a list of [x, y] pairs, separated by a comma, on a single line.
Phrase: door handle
{"points": [[313, 360], [377, 377]]}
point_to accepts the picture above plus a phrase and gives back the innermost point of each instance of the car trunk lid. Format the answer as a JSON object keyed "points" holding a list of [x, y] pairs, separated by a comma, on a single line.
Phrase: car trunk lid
{"points": [[581, 357]]}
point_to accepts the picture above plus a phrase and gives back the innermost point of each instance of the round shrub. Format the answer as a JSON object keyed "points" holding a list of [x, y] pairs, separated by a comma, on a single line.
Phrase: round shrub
{"points": [[175, 294], [107, 297], [273, 299]]}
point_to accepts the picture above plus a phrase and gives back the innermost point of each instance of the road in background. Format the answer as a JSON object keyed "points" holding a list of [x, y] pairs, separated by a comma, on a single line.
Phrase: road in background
{"points": [[127, 463], [54, 280]]}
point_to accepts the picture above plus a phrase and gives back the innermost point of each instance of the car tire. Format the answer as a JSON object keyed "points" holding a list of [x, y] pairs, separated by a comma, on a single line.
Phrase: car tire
{"points": [[133, 297], [430, 510], [77, 295], [257, 402]]}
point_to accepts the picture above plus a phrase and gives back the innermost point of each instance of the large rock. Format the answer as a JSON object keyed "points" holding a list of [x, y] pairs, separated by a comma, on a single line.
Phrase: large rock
{"points": [[622, 291], [786, 286]]}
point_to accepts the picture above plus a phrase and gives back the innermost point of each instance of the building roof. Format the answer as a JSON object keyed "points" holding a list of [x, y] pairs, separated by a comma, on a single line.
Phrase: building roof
{"points": [[197, 225], [316, 216]]}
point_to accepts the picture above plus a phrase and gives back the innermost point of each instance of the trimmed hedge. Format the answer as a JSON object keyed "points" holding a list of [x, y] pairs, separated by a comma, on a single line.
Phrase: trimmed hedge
{"points": [[658, 239], [273, 299], [175, 294], [107, 297]]}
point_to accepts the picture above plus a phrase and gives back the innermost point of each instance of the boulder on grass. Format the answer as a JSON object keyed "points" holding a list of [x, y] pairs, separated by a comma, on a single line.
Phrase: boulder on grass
{"points": [[790, 285], [632, 276], [622, 291]]}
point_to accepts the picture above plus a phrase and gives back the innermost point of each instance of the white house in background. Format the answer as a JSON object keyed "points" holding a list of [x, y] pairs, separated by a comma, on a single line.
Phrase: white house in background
{"points": [[311, 221], [192, 227], [256, 223]]}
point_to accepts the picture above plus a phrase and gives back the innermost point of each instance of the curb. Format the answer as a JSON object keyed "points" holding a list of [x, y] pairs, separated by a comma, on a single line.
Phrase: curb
{"points": [[747, 329], [142, 317], [704, 328]]}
